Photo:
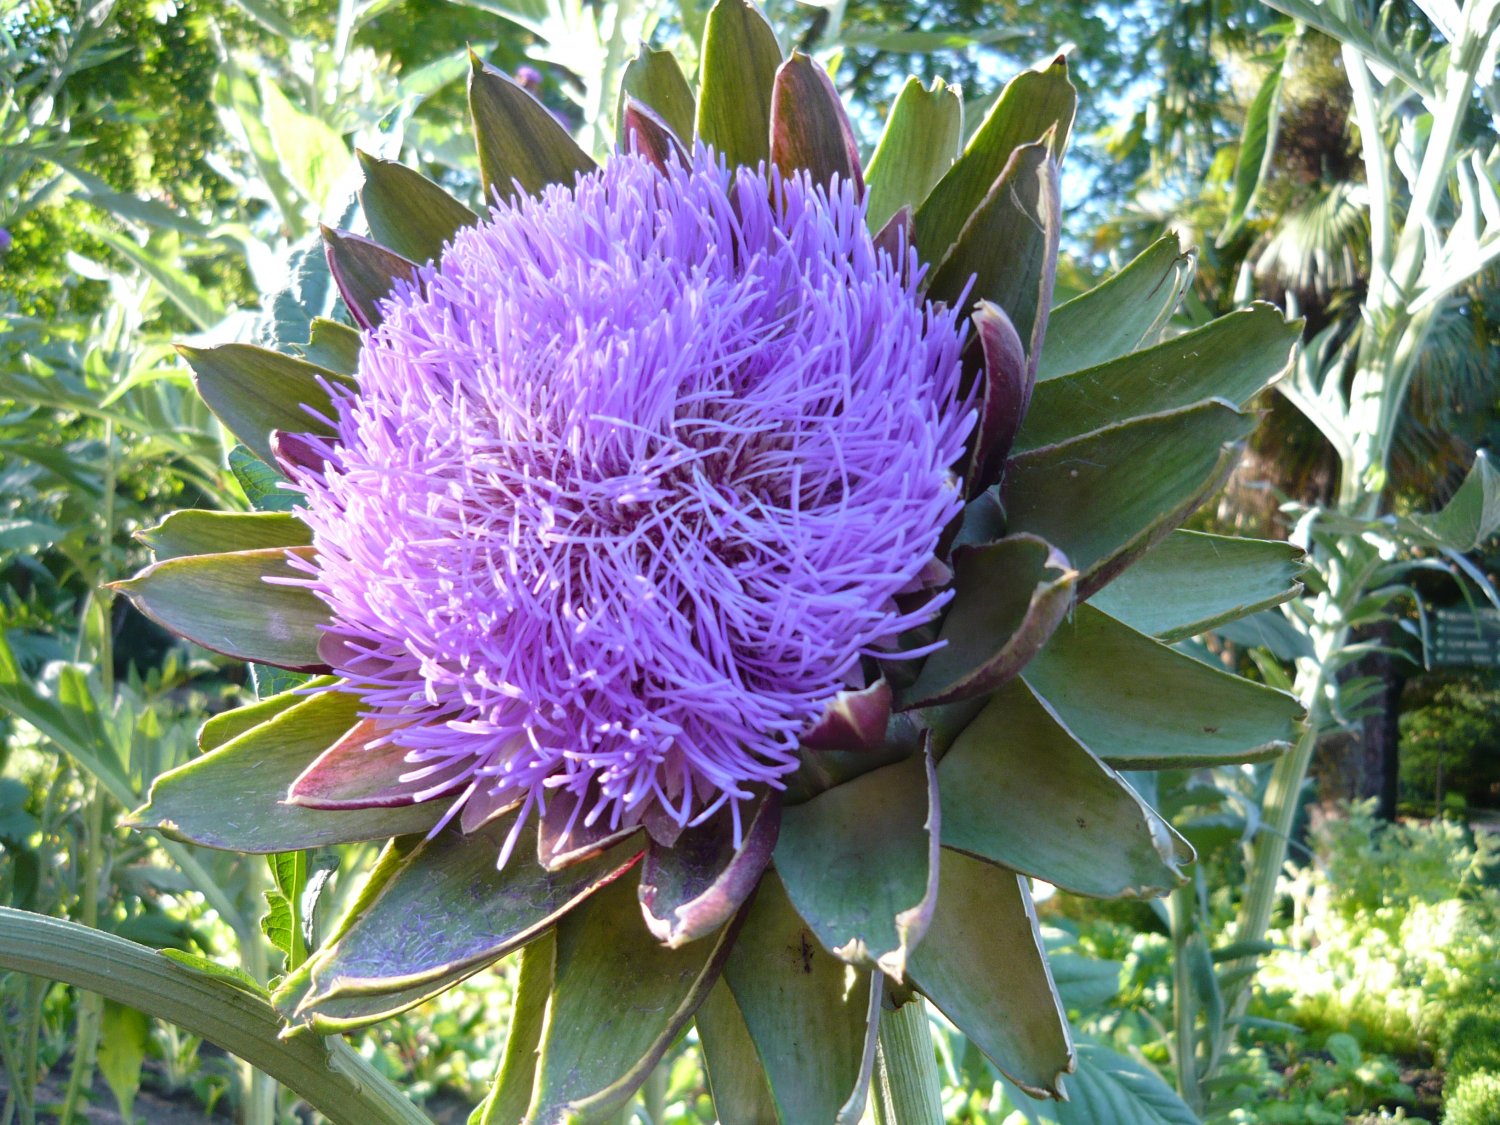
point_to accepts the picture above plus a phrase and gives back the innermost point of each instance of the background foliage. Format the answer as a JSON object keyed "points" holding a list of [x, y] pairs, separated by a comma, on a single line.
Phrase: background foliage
{"points": [[164, 163]]}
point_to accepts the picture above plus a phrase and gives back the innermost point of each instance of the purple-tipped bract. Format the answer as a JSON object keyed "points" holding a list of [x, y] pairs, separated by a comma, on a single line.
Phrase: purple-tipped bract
{"points": [[631, 483]]}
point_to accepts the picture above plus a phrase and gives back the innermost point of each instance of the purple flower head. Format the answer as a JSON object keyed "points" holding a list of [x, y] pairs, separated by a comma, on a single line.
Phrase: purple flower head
{"points": [[5, 240], [632, 481]]}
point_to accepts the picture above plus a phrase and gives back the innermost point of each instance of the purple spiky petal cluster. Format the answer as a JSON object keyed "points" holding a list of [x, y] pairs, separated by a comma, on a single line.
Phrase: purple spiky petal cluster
{"points": [[631, 483]]}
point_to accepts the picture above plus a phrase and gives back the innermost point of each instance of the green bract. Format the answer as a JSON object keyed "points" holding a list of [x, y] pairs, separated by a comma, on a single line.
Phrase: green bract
{"points": [[893, 864]]}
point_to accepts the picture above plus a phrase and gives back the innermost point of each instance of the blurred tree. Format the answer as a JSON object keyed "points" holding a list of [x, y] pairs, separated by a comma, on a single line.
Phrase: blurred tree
{"points": [[1450, 739]]}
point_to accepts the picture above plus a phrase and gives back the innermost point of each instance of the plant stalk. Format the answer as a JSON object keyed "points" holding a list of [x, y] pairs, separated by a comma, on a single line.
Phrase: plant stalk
{"points": [[654, 1093], [1184, 1000], [90, 1004], [260, 1088], [328, 1075], [908, 1087], [1279, 812]]}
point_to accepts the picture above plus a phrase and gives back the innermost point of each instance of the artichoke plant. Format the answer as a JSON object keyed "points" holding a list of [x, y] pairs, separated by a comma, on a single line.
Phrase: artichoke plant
{"points": [[724, 579]]}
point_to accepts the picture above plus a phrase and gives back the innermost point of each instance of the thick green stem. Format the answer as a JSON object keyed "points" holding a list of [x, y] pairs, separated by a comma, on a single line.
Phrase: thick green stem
{"points": [[1387, 355], [1184, 1000], [654, 1093], [90, 890], [260, 1088], [90, 1005], [1278, 813], [908, 1088], [330, 1077]]}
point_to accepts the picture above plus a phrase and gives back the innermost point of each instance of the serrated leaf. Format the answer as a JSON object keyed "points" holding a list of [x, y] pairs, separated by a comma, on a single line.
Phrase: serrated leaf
{"points": [[269, 681], [1349, 23], [285, 323], [983, 965], [736, 78], [1085, 982], [1119, 315], [201, 305], [1106, 498], [407, 212], [233, 797], [294, 986], [920, 141], [282, 923], [926, 40], [308, 151], [194, 532], [1018, 789], [280, 928], [859, 863], [236, 92], [1232, 358], [1140, 704], [1191, 582]]}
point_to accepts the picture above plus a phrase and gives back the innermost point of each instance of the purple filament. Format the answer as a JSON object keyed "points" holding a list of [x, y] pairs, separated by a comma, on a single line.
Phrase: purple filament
{"points": [[631, 483]]}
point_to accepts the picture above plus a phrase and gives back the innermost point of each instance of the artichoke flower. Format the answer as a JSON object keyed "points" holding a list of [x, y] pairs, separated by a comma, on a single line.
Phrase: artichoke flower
{"points": [[725, 580]]}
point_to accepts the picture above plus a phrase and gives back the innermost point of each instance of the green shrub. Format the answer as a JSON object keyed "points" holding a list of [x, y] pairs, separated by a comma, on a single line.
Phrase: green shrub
{"points": [[1368, 864], [1472, 1043], [1473, 1100], [1394, 929], [1449, 729]]}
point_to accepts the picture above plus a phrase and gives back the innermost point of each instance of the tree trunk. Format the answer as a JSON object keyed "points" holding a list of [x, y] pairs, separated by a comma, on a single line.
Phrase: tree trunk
{"points": [[1379, 772]]}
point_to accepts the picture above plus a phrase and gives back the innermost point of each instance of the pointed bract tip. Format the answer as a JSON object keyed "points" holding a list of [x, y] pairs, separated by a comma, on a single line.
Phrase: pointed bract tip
{"points": [[135, 819]]}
